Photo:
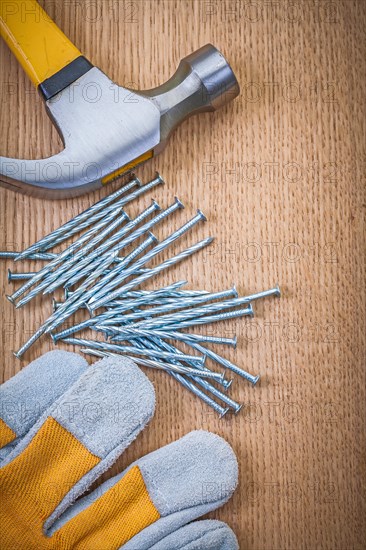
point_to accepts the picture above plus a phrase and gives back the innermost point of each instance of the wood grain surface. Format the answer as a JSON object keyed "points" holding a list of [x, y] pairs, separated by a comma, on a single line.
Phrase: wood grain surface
{"points": [[280, 175]]}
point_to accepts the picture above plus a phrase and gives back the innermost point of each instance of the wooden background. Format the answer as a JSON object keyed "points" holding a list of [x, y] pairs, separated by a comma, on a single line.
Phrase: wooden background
{"points": [[279, 173]]}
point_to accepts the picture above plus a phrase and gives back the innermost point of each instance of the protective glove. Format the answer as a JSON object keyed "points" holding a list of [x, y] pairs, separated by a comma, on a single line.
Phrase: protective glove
{"points": [[62, 424]]}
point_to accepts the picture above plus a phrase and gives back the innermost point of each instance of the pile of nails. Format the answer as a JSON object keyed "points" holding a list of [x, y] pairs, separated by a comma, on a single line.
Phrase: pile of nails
{"points": [[99, 276]]}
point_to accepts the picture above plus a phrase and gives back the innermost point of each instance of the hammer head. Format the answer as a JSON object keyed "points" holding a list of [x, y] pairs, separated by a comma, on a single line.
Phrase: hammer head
{"points": [[107, 130]]}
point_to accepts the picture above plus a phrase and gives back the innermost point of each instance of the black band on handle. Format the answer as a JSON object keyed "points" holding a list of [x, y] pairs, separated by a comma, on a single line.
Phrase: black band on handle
{"points": [[63, 78]]}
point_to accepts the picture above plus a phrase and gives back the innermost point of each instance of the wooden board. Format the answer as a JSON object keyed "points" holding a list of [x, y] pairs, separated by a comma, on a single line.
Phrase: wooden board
{"points": [[280, 175]]}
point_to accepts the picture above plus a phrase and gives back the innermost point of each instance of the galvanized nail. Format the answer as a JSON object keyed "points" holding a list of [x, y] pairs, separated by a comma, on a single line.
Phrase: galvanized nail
{"points": [[131, 350], [81, 296], [10, 255], [152, 272], [19, 276], [181, 304], [146, 228], [188, 384], [225, 363], [60, 257], [183, 336], [95, 303], [210, 319], [65, 229], [80, 264], [184, 315]]}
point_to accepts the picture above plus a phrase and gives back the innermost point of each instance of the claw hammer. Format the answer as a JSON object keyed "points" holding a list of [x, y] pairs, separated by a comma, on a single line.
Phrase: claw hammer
{"points": [[107, 130]]}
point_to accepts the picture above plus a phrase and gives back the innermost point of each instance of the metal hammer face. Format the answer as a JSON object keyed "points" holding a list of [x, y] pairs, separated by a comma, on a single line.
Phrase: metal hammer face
{"points": [[106, 129]]}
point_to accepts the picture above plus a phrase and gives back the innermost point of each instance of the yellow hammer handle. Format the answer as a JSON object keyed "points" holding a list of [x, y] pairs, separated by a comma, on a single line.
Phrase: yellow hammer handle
{"points": [[40, 46]]}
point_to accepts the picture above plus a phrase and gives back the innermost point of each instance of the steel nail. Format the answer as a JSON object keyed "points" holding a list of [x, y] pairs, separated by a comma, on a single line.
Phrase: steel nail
{"points": [[9, 255], [105, 281], [96, 303], [184, 337], [57, 277], [146, 228], [217, 393], [194, 313], [187, 302], [82, 294], [18, 276], [81, 263], [75, 302], [144, 362], [210, 308], [131, 350], [157, 343], [60, 269], [162, 366], [60, 257], [141, 300], [222, 411], [225, 363], [127, 350], [210, 319], [42, 329], [86, 264], [47, 325], [188, 384], [65, 230], [177, 204], [152, 272], [124, 290]]}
